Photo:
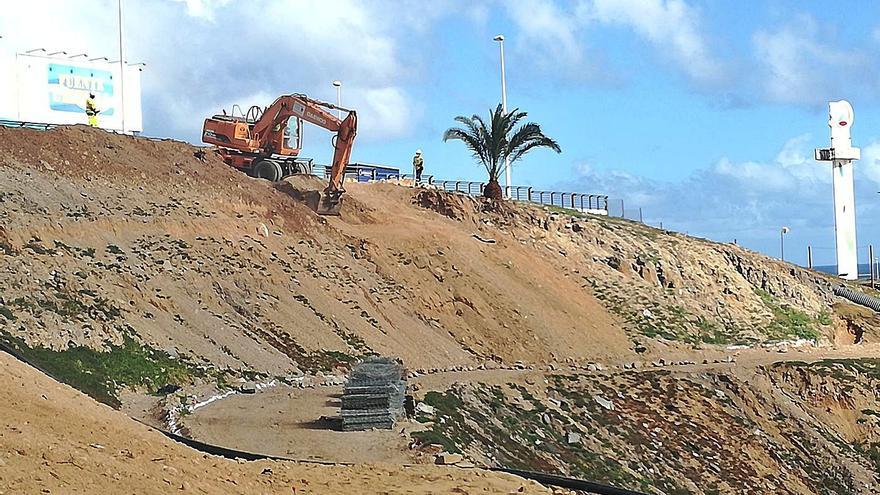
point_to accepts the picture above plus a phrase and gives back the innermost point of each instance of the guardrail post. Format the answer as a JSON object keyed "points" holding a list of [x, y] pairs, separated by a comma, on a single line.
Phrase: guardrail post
{"points": [[456, 185], [529, 194], [552, 193]]}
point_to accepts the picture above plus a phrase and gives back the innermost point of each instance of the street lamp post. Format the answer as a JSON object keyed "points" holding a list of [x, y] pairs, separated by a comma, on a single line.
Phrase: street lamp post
{"points": [[782, 233], [338, 85], [121, 71], [500, 40]]}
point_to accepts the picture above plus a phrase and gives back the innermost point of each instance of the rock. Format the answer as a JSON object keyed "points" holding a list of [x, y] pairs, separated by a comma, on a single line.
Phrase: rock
{"points": [[425, 408], [576, 227], [607, 404], [545, 418], [248, 388], [573, 437], [448, 459], [263, 230], [465, 465]]}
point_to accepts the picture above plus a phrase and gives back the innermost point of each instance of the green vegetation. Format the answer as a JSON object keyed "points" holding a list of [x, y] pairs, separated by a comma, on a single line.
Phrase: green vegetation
{"points": [[6, 313], [114, 249], [102, 374], [789, 322], [69, 305]]}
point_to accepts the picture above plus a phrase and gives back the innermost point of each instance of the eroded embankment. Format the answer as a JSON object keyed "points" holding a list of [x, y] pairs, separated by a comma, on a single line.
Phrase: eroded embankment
{"points": [[784, 428]]}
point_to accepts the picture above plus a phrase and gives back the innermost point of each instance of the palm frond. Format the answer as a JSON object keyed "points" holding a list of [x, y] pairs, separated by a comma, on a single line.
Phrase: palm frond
{"points": [[493, 140]]}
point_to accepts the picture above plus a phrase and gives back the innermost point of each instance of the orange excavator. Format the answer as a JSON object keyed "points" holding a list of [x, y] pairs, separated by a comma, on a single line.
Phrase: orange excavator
{"points": [[258, 142]]}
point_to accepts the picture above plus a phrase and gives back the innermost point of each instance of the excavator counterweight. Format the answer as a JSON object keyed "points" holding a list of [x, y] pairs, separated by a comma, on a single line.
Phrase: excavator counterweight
{"points": [[258, 143]]}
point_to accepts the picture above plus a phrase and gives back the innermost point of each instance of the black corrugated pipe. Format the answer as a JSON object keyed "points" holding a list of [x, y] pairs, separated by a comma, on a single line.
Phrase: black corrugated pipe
{"points": [[857, 297], [570, 483]]}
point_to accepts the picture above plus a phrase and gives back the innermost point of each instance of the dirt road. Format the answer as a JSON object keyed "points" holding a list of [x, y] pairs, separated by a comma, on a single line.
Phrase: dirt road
{"points": [[54, 439]]}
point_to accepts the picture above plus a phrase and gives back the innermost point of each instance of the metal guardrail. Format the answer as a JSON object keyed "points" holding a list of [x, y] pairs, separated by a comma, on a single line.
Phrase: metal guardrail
{"points": [[27, 125], [573, 200]]}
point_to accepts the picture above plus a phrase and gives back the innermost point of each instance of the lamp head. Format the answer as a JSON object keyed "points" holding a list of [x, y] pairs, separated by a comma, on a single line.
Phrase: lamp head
{"points": [[337, 83], [500, 37]]}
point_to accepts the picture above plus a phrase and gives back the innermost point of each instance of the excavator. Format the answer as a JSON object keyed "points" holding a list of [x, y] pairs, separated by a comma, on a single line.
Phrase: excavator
{"points": [[258, 142]]}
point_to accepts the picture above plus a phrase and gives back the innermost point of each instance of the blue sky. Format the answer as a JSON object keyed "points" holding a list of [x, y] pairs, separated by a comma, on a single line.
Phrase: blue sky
{"points": [[702, 113]]}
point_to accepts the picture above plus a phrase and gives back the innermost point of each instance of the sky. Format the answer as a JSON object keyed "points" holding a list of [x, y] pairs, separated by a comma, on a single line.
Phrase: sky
{"points": [[702, 113]]}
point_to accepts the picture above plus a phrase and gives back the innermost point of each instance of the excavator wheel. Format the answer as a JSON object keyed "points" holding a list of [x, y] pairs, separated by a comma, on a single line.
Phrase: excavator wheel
{"points": [[267, 169]]}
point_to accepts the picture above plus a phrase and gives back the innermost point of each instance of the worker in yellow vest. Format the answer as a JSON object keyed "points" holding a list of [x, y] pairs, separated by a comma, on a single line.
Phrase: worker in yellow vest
{"points": [[418, 165], [92, 110]]}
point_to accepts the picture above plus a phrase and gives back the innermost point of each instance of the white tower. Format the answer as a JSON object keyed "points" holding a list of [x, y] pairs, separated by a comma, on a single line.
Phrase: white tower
{"points": [[841, 155]]}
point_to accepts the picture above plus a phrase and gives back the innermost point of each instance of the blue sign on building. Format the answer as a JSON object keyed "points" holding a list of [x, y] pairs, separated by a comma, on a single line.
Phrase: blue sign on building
{"points": [[69, 86]]}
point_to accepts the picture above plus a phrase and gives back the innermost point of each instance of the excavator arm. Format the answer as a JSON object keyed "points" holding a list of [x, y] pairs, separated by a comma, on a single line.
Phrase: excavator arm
{"points": [[274, 120]]}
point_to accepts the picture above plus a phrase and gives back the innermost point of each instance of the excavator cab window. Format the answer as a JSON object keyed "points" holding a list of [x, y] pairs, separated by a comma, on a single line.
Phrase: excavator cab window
{"points": [[296, 133]]}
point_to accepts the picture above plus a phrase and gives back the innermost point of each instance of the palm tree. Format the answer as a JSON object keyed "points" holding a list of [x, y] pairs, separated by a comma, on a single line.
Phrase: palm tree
{"points": [[493, 143]]}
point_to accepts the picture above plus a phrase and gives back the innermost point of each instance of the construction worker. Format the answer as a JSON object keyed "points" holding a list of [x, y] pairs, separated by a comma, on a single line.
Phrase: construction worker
{"points": [[418, 165], [92, 110]]}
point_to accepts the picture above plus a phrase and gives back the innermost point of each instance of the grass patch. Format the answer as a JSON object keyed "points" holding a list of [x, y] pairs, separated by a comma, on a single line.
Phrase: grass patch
{"points": [[790, 322], [102, 374], [6, 313]]}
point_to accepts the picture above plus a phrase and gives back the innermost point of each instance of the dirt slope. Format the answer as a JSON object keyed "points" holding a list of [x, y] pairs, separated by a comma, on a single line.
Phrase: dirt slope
{"points": [[54, 439], [107, 239], [107, 236]]}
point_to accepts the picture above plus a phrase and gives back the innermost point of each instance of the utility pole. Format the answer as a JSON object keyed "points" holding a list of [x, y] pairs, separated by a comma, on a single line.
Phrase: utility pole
{"points": [[810, 257], [871, 262], [782, 233], [338, 85], [500, 40], [121, 70]]}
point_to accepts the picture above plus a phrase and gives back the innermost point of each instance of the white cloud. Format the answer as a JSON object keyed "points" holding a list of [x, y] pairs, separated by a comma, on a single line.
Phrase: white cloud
{"points": [[203, 8], [870, 162], [798, 66], [671, 25], [546, 29], [793, 168]]}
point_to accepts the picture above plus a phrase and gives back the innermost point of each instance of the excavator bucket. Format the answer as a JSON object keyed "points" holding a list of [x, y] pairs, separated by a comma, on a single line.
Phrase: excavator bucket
{"points": [[324, 203]]}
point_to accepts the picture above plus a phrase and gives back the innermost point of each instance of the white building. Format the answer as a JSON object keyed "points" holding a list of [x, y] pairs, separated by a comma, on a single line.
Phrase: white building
{"points": [[52, 88]]}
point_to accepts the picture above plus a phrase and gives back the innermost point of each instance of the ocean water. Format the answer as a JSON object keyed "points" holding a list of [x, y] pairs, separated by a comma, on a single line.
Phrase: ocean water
{"points": [[864, 269]]}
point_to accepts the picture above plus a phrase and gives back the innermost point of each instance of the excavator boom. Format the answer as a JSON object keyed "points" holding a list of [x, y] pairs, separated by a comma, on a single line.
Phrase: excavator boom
{"points": [[258, 145]]}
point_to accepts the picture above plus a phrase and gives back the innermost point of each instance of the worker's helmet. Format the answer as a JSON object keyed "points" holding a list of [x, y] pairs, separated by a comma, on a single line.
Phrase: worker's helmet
{"points": [[418, 152]]}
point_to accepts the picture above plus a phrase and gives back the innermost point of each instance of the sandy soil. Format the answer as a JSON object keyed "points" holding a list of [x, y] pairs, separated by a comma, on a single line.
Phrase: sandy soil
{"points": [[55, 440], [287, 422]]}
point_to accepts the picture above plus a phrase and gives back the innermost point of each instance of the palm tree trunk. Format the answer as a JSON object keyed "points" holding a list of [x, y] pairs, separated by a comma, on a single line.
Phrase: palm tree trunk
{"points": [[493, 190]]}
